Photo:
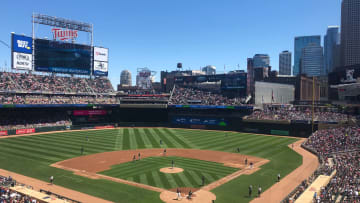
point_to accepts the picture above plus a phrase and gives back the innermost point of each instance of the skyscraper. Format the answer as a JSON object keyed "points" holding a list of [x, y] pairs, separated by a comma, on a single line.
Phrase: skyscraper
{"points": [[300, 43], [312, 60], [125, 78], [350, 32], [285, 63], [331, 40], [261, 61]]}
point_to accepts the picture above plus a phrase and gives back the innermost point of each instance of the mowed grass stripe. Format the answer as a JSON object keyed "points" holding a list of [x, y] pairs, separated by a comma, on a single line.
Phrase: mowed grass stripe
{"points": [[273, 151], [158, 138], [9, 151], [71, 142], [143, 179], [74, 146], [177, 139], [268, 145], [102, 140], [155, 143], [119, 140], [157, 180], [139, 139], [164, 180], [126, 139], [133, 142], [179, 182], [39, 152], [164, 138], [253, 145], [190, 178], [150, 179], [242, 144], [170, 138], [229, 145], [190, 143], [58, 150], [185, 180], [147, 142], [219, 139], [68, 146], [172, 181]]}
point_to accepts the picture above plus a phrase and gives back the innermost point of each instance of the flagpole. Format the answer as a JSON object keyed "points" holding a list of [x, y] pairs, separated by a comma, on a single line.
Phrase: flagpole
{"points": [[313, 101]]}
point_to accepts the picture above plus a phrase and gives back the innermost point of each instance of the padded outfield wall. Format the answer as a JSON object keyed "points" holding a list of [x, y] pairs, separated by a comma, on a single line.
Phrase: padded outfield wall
{"points": [[220, 118]]}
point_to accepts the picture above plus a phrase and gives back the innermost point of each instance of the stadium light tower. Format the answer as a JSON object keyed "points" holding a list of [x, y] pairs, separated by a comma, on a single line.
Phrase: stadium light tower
{"points": [[4, 43]]}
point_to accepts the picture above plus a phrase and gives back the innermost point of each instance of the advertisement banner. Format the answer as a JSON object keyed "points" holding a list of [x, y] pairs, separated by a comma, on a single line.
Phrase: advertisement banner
{"points": [[22, 61], [100, 68], [104, 127], [21, 44], [101, 54], [89, 112], [3, 133], [25, 131], [199, 121]]}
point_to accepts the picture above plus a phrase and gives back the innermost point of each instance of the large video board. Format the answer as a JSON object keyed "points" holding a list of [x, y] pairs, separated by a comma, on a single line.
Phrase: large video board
{"points": [[60, 57]]}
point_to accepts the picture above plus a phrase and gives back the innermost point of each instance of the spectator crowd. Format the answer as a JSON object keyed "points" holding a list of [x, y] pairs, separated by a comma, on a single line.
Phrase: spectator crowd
{"points": [[289, 114], [182, 95], [37, 119], [28, 82], [342, 145]]}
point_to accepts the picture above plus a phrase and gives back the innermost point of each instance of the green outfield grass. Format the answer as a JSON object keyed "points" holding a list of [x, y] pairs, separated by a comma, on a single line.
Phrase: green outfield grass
{"points": [[32, 155], [147, 171]]}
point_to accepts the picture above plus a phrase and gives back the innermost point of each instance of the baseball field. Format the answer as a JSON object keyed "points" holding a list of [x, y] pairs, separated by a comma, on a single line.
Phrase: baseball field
{"points": [[208, 155]]}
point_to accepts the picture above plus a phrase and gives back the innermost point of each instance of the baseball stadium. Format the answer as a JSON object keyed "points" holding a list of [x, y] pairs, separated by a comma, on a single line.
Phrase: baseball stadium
{"points": [[66, 135]]}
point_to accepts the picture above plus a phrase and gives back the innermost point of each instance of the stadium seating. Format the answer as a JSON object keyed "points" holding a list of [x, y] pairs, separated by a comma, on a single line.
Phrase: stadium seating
{"points": [[184, 95], [27, 88], [343, 146]]}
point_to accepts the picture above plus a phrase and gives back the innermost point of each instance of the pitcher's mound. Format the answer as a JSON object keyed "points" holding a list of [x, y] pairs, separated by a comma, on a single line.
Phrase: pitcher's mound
{"points": [[171, 170], [200, 196]]}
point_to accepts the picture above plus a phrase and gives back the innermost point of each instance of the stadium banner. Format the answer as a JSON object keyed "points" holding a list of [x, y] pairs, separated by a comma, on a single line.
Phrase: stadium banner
{"points": [[210, 107], [100, 68], [25, 131], [104, 127], [3, 133], [21, 61], [21, 44], [62, 57], [89, 112], [199, 121], [101, 54]]}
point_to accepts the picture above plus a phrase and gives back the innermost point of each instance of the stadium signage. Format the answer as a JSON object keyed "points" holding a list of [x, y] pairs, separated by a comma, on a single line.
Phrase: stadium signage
{"points": [[22, 61], [21, 44], [3, 133], [62, 35], [25, 131], [89, 112]]}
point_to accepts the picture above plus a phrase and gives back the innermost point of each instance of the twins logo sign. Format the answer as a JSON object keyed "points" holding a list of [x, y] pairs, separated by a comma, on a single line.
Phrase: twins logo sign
{"points": [[21, 44]]}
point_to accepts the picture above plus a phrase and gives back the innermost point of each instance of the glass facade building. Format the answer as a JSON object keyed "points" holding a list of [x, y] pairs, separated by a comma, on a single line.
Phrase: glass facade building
{"points": [[261, 60], [300, 43], [331, 40], [285, 63], [312, 60]]}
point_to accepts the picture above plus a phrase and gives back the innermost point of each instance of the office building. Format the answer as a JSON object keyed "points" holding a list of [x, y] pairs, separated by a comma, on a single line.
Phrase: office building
{"points": [[312, 60], [331, 41], [285, 63], [125, 78], [350, 32], [261, 60], [300, 43]]}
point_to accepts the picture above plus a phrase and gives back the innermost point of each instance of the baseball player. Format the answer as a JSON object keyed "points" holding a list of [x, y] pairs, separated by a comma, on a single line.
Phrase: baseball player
{"points": [[164, 152], [134, 158], [203, 180], [238, 149], [278, 177], [178, 192], [259, 191], [160, 142], [87, 138], [139, 155], [250, 190], [246, 161], [172, 164], [82, 150], [51, 180]]}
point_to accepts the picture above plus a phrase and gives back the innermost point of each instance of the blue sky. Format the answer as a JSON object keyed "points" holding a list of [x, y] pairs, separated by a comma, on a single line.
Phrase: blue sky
{"points": [[159, 33]]}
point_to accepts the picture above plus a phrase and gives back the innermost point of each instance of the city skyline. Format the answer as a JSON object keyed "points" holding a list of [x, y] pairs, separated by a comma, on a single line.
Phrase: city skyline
{"points": [[159, 35]]}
